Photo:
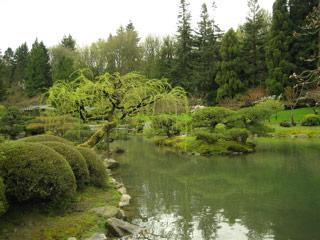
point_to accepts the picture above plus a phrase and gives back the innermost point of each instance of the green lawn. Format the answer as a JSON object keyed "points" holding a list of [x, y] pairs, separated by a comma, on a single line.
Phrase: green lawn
{"points": [[286, 115]]}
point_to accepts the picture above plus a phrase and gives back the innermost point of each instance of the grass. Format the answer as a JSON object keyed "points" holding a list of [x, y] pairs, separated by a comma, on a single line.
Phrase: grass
{"points": [[34, 221], [286, 115]]}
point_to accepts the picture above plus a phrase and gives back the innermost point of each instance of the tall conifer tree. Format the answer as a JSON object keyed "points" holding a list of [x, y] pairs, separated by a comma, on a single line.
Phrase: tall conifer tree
{"points": [[20, 58]]}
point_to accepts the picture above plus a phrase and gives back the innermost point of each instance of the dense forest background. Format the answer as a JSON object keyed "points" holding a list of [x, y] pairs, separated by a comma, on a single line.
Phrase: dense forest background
{"points": [[211, 65]]}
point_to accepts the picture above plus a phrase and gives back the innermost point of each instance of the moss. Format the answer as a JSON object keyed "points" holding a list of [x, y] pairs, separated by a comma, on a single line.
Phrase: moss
{"points": [[3, 199], [194, 145], [97, 171], [75, 159], [45, 138], [34, 171]]}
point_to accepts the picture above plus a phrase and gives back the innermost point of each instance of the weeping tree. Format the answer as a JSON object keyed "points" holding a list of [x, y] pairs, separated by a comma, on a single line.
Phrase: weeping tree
{"points": [[110, 97]]}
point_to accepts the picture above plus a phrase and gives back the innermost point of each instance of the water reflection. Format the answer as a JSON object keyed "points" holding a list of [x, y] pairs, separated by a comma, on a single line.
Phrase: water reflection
{"points": [[271, 194]]}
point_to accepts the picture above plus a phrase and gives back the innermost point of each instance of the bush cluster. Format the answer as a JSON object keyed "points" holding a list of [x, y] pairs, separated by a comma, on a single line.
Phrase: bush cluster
{"points": [[3, 199], [78, 136], [285, 124], [97, 171], [33, 171], [207, 136], [238, 134], [75, 159], [44, 138], [311, 120]]}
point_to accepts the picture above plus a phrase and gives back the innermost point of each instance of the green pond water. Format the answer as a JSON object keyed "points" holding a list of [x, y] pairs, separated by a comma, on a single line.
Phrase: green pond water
{"points": [[271, 194]]}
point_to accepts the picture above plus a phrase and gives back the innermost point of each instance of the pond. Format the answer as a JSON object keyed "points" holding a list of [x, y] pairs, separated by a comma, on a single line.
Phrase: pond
{"points": [[271, 194]]}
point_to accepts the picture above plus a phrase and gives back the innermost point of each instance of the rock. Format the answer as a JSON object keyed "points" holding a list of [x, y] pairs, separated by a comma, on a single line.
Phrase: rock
{"points": [[119, 150], [119, 185], [124, 200], [119, 227], [97, 236], [302, 136], [107, 212], [122, 190], [318, 137], [72, 238], [110, 163]]}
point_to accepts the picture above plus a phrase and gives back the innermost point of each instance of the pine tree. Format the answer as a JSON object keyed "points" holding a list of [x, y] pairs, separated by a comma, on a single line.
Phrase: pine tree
{"points": [[182, 74], [230, 76], [9, 64], [2, 85], [38, 70], [20, 58], [255, 39], [68, 42], [279, 59]]}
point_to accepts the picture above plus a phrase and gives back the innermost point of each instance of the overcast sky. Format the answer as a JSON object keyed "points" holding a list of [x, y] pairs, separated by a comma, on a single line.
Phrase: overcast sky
{"points": [[88, 20]]}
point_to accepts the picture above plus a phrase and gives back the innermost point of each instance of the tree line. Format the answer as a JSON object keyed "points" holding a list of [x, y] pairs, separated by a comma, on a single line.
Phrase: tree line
{"points": [[208, 63]]}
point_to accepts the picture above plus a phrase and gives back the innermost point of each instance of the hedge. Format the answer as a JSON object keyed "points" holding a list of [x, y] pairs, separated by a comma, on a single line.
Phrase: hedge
{"points": [[75, 159], [34, 171], [45, 138], [97, 171]]}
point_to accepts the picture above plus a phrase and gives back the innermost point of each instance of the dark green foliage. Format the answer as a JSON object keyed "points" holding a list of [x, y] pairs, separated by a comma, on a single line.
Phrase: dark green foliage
{"points": [[74, 158], [3, 199], [101, 146], [310, 120], [210, 116], [285, 124], [238, 134], [20, 58], [38, 71], [279, 59], [230, 76], [166, 124], [78, 136], [68, 42], [207, 136], [44, 138], [11, 122], [35, 129], [97, 171], [34, 171]]}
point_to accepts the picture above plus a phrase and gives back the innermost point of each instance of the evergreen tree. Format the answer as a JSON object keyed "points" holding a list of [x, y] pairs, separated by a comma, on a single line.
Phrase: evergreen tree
{"points": [[2, 85], [255, 39], [279, 59], [9, 64], [182, 75], [230, 76], [38, 70], [151, 50], [20, 58], [306, 45], [68, 42]]}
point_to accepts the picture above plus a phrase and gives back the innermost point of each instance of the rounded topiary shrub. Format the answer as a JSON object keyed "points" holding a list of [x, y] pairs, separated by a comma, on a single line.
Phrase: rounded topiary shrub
{"points": [[34, 171], [75, 159], [45, 138], [285, 124], [97, 171], [311, 120], [3, 199], [78, 136]]}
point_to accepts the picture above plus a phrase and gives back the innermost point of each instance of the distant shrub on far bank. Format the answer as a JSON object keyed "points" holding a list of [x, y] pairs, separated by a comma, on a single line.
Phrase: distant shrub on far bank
{"points": [[311, 120]]}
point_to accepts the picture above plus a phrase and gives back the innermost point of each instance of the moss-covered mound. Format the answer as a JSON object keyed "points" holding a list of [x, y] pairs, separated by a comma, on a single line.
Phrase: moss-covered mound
{"points": [[75, 159], [3, 199], [34, 171], [98, 172], [45, 138]]}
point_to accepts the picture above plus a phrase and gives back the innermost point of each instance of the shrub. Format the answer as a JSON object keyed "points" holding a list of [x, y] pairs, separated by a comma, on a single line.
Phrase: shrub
{"points": [[2, 139], [310, 120], [3, 199], [97, 171], [149, 132], [44, 138], [101, 145], [74, 158], [285, 124], [33, 171], [166, 124], [78, 136], [207, 136], [35, 129], [11, 122], [238, 134], [2, 109]]}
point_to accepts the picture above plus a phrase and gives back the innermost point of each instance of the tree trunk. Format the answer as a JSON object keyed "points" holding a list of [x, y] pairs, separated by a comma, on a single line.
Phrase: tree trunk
{"points": [[293, 123], [108, 143], [98, 135]]}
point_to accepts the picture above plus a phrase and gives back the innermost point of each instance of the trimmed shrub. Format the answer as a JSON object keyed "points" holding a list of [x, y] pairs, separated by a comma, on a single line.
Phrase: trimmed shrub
{"points": [[101, 145], [3, 199], [75, 159], [35, 129], [45, 138], [311, 120], [97, 171], [285, 124], [34, 171], [207, 136], [78, 136], [238, 134]]}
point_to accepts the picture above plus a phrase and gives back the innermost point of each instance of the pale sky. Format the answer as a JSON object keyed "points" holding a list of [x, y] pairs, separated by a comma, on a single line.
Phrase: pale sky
{"points": [[88, 20]]}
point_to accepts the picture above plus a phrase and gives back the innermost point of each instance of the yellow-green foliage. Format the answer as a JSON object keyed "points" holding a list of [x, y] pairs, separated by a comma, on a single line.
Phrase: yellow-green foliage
{"points": [[75, 159], [45, 138], [311, 120], [3, 199], [34, 171], [2, 109], [97, 171]]}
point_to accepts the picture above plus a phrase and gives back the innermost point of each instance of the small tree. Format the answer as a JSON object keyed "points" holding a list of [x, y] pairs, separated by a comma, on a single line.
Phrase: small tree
{"points": [[11, 122]]}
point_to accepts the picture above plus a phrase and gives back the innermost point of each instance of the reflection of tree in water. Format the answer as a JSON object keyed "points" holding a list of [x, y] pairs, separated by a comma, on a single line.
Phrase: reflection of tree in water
{"points": [[273, 194]]}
